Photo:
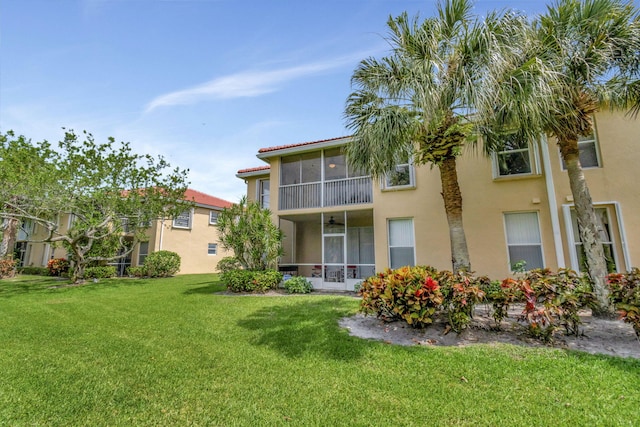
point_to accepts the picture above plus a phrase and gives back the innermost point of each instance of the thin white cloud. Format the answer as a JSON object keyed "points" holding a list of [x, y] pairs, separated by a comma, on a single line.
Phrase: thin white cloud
{"points": [[245, 84]]}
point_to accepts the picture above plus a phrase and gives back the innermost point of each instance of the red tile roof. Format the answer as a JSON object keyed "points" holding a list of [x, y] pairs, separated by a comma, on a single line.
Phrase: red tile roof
{"points": [[301, 144], [205, 199], [257, 169]]}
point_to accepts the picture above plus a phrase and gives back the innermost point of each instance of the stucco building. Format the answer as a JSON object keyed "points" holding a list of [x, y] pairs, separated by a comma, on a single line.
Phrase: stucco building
{"points": [[192, 234], [341, 225]]}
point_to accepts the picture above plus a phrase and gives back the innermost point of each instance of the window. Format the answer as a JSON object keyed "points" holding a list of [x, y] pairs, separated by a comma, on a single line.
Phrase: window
{"points": [[588, 152], [401, 177], [523, 240], [263, 192], [143, 251], [183, 220], [213, 217], [300, 169], [401, 243], [515, 157], [212, 249], [605, 237]]}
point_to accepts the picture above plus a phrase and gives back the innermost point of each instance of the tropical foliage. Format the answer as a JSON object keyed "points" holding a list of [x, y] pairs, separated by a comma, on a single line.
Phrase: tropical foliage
{"points": [[435, 92], [248, 230]]}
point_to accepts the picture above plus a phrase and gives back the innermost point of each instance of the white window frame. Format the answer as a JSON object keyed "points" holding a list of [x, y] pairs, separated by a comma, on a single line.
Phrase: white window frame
{"points": [[582, 141], [506, 237], [619, 232], [413, 238], [260, 192], [386, 185], [188, 226], [212, 247], [534, 161], [213, 217]]}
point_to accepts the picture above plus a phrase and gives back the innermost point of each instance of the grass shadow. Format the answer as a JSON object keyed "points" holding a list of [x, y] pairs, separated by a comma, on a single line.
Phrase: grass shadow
{"points": [[306, 325]]}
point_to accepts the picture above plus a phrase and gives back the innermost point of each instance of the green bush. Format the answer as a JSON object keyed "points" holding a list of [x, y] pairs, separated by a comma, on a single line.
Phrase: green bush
{"points": [[251, 281], [625, 295], [228, 263], [408, 293], [101, 272], [138, 271], [7, 267], [58, 266], [298, 285], [38, 271], [162, 264]]}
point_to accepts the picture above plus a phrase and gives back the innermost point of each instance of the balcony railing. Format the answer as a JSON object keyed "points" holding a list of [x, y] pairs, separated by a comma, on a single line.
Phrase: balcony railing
{"points": [[340, 192]]}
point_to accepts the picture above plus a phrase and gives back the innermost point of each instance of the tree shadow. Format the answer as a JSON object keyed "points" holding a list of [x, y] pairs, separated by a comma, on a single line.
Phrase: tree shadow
{"points": [[20, 286], [306, 325], [208, 288]]}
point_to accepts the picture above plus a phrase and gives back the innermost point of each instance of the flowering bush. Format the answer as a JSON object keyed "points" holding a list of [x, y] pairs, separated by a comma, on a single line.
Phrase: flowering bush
{"points": [[58, 266], [625, 294], [408, 293]]}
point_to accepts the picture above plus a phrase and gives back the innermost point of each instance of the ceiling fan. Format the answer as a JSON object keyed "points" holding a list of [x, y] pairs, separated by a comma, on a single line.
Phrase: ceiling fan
{"points": [[332, 221]]}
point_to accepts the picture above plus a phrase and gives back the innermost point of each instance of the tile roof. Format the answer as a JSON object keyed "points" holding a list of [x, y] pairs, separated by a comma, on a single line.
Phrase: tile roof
{"points": [[301, 144], [257, 169], [205, 199]]}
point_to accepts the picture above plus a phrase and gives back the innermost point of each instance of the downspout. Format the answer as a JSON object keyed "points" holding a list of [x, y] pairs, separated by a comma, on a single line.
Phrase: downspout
{"points": [[553, 202], [161, 233]]}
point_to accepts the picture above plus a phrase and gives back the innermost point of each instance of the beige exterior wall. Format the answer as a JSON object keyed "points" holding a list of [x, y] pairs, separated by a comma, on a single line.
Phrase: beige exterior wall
{"points": [[190, 243], [486, 200]]}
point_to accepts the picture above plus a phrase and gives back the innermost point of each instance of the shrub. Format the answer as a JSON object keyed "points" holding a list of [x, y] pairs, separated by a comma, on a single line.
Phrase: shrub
{"points": [[553, 300], [138, 271], [625, 294], [7, 267], [251, 281], [38, 271], [408, 293], [162, 264], [298, 285], [501, 295], [461, 293], [58, 266], [101, 272], [228, 263]]}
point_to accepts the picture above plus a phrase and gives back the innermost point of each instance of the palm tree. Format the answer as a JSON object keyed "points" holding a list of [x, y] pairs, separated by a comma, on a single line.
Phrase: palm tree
{"points": [[593, 46], [428, 97]]}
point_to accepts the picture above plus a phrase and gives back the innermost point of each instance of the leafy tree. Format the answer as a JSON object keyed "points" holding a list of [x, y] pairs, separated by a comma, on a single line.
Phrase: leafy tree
{"points": [[592, 49], [111, 193], [24, 169], [247, 229], [428, 97]]}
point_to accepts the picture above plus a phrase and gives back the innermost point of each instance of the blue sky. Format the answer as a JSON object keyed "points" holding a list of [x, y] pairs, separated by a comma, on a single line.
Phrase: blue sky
{"points": [[205, 83]]}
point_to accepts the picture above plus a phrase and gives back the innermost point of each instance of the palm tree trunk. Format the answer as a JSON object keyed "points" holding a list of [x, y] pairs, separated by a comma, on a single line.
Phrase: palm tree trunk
{"points": [[453, 207], [589, 227]]}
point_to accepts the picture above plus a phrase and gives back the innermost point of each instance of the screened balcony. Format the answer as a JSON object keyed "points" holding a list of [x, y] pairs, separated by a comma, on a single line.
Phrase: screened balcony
{"points": [[321, 179]]}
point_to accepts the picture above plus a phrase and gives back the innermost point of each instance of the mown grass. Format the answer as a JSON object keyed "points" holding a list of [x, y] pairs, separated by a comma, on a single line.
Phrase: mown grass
{"points": [[172, 352]]}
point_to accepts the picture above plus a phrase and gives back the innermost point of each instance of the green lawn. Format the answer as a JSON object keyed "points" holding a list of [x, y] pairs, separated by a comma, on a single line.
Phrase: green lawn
{"points": [[171, 352]]}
